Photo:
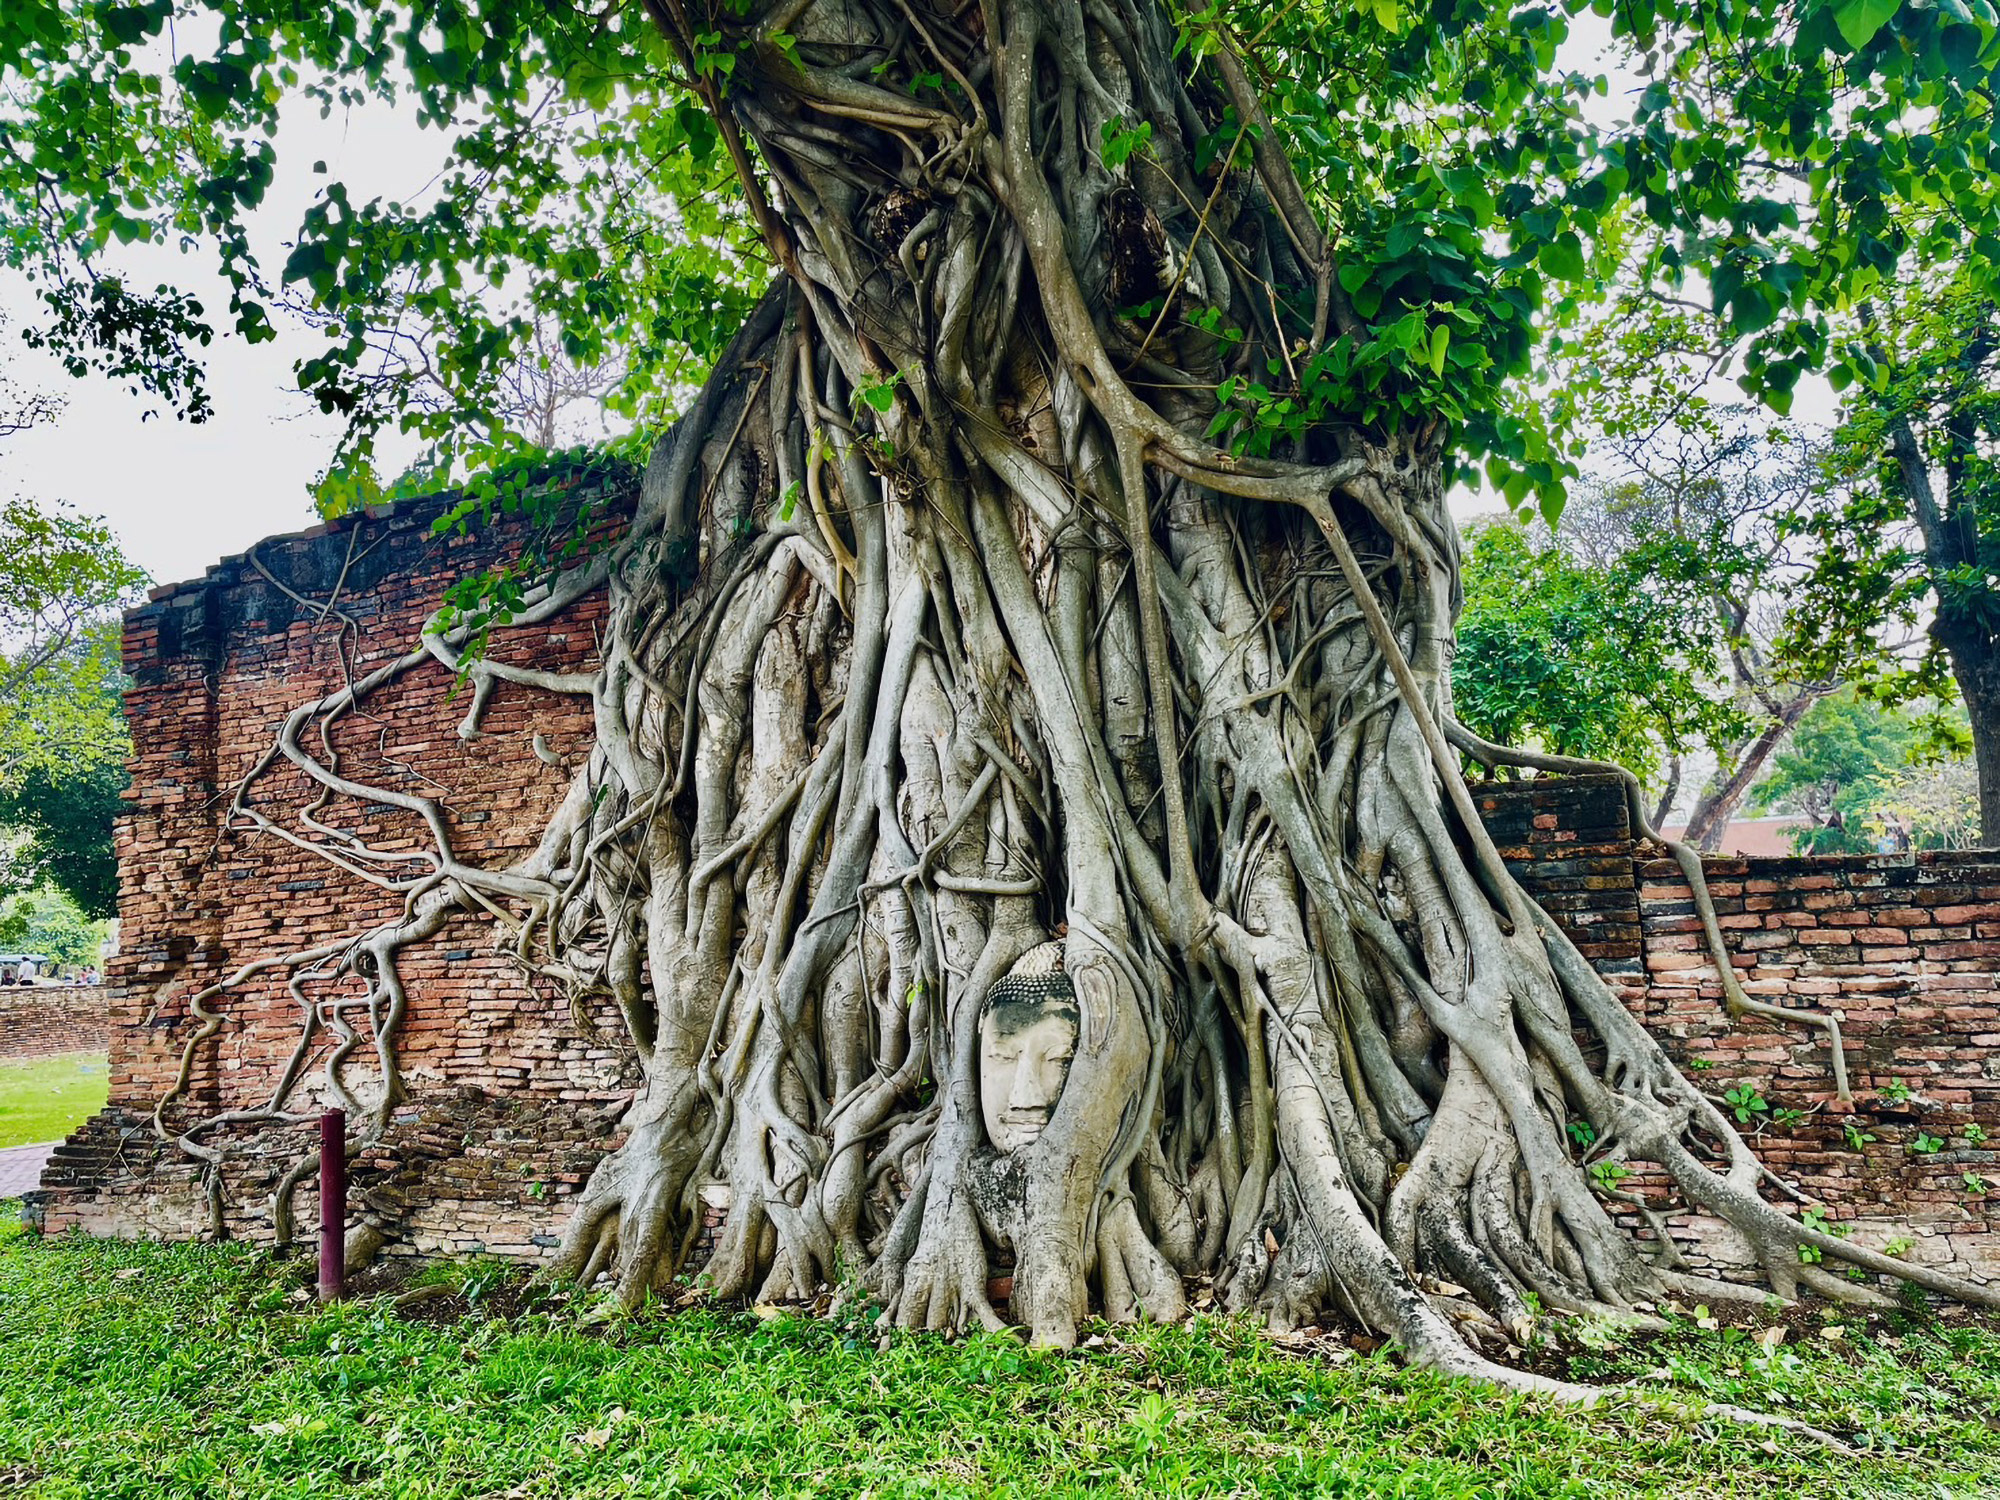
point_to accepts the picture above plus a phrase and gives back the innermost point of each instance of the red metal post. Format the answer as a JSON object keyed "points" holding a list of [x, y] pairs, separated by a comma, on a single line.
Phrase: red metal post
{"points": [[332, 1203]]}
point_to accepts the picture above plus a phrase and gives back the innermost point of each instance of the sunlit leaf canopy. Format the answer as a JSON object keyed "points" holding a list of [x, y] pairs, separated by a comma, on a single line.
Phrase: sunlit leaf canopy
{"points": [[1483, 173]]}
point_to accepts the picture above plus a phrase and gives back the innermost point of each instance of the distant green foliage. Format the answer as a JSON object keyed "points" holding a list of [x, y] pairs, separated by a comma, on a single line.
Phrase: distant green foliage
{"points": [[1611, 662], [1847, 768], [57, 823], [63, 740], [1936, 802], [48, 922], [62, 582]]}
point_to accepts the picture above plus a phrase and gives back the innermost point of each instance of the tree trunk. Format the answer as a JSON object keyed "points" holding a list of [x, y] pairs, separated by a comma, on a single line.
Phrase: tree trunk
{"points": [[1665, 803], [1952, 544], [1724, 791], [943, 636], [1975, 663]]}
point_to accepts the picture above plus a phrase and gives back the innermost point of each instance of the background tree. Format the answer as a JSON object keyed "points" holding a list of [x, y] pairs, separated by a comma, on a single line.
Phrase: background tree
{"points": [[1716, 500], [1873, 266], [1050, 593], [1850, 763], [1612, 660], [49, 924], [1934, 804], [60, 589], [1830, 774], [63, 740], [1928, 415], [58, 830]]}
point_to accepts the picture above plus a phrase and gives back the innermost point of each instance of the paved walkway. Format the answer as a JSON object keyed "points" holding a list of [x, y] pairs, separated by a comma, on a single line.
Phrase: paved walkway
{"points": [[21, 1168]]}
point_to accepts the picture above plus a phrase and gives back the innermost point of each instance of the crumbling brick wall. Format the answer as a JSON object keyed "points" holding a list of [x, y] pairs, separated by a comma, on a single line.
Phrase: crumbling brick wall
{"points": [[510, 1093], [51, 1020], [1901, 950], [513, 1098]]}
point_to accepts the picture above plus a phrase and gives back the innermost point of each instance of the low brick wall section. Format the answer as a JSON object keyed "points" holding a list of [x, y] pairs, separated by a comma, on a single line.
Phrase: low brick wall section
{"points": [[1900, 949], [50, 1020], [514, 1096]]}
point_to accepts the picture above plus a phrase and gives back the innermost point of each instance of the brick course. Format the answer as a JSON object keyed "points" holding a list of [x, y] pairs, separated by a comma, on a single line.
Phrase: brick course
{"points": [[513, 1098]]}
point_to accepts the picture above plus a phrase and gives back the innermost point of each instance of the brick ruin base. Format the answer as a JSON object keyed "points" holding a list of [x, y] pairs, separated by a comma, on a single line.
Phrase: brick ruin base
{"points": [[52, 1020], [1901, 950], [514, 1098]]}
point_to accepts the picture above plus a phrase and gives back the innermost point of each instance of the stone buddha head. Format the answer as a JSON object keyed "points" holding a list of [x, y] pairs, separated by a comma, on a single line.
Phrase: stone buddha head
{"points": [[1027, 1036]]}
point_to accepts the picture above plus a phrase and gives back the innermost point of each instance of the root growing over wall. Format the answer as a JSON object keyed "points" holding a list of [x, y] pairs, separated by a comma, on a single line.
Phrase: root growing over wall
{"points": [[942, 633]]}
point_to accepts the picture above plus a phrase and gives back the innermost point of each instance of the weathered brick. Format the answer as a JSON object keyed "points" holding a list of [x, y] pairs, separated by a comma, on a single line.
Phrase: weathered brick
{"points": [[53, 1020], [513, 1102]]}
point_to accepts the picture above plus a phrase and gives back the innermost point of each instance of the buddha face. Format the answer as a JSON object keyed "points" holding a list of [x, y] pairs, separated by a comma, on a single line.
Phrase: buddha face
{"points": [[1027, 1037]]}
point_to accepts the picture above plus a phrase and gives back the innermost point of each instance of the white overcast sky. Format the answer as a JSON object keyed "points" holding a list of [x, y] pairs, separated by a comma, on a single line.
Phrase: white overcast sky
{"points": [[181, 496]]}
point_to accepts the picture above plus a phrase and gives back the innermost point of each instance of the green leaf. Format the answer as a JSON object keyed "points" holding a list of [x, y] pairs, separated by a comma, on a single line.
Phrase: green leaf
{"points": [[1562, 257], [1859, 20], [1440, 341], [1119, 142]]}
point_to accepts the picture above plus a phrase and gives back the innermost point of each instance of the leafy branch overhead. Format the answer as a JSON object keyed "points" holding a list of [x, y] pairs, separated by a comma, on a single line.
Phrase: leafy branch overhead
{"points": [[1037, 622], [1476, 185]]}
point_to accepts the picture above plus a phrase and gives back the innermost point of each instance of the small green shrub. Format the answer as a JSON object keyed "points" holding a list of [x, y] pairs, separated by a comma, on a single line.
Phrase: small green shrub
{"points": [[1746, 1103]]}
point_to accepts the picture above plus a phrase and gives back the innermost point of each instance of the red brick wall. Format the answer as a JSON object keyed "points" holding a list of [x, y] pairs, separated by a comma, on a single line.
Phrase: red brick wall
{"points": [[512, 1098], [49, 1020], [1901, 950], [509, 1092]]}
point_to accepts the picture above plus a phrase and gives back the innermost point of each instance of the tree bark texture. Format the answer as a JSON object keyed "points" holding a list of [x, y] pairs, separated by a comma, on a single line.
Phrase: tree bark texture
{"points": [[1964, 623], [942, 635], [1975, 663], [1725, 790]]}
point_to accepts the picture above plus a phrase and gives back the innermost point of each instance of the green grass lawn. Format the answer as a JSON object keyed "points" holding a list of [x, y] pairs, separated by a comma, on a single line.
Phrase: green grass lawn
{"points": [[45, 1098], [145, 1370]]}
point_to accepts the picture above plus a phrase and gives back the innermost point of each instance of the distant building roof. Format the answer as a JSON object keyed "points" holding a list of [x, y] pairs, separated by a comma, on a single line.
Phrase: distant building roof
{"points": [[1751, 836]]}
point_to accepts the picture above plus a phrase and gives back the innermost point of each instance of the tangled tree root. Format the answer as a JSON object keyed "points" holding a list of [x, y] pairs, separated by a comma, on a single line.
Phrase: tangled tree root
{"points": [[895, 690]]}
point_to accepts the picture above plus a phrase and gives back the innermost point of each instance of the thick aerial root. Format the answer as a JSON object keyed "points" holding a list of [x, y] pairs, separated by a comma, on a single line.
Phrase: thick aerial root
{"points": [[1137, 1279], [942, 1287], [942, 666], [637, 1218]]}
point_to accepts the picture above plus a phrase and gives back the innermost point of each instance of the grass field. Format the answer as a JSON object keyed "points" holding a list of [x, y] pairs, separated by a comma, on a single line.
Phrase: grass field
{"points": [[45, 1098], [136, 1370]]}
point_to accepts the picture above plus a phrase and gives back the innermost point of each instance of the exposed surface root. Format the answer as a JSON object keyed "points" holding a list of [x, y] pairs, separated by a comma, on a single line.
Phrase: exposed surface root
{"points": [[947, 661]]}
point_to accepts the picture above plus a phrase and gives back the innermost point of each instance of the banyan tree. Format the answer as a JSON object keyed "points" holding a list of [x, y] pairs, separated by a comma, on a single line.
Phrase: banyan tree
{"points": [[1026, 822]]}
